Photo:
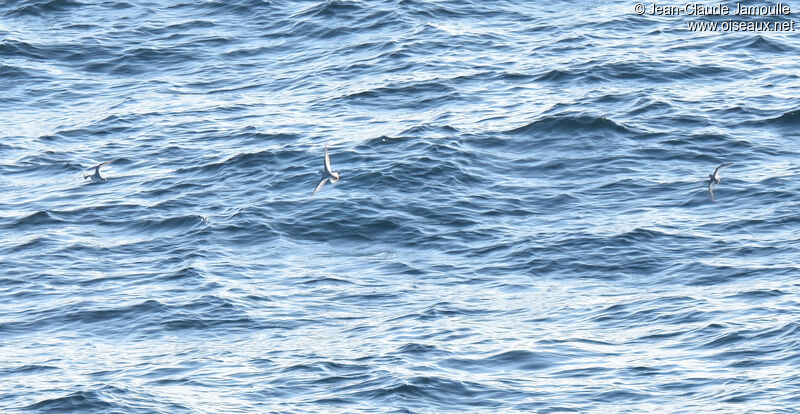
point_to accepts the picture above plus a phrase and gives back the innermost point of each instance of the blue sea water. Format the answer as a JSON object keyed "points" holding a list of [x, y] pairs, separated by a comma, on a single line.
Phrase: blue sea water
{"points": [[522, 225]]}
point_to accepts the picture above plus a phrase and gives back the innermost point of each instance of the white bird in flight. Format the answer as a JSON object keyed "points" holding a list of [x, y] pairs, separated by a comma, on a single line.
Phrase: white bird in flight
{"points": [[328, 174], [96, 175], [713, 179]]}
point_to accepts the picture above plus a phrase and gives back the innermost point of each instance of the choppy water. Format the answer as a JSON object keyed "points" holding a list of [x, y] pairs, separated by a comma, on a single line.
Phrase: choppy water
{"points": [[522, 222]]}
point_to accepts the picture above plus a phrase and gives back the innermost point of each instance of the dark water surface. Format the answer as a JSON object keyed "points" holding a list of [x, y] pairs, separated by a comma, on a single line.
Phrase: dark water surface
{"points": [[522, 222]]}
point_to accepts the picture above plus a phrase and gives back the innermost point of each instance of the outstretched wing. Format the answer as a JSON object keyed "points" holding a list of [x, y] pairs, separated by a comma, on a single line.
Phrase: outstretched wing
{"points": [[327, 161], [711, 189], [721, 167], [320, 185], [97, 167]]}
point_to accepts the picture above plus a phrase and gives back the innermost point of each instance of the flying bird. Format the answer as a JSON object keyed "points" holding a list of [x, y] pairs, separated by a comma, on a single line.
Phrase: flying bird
{"points": [[96, 175], [327, 173], [713, 179]]}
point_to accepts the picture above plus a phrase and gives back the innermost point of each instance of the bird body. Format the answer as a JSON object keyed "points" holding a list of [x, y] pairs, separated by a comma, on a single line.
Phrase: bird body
{"points": [[714, 179], [327, 172], [96, 175]]}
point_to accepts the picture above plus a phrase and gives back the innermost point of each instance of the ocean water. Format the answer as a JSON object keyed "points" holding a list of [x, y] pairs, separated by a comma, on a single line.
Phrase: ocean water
{"points": [[522, 225]]}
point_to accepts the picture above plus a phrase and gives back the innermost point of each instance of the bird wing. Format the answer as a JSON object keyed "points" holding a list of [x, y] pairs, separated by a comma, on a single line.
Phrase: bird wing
{"points": [[327, 161], [97, 167], [320, 185], [711, 189], [721, 167]]}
